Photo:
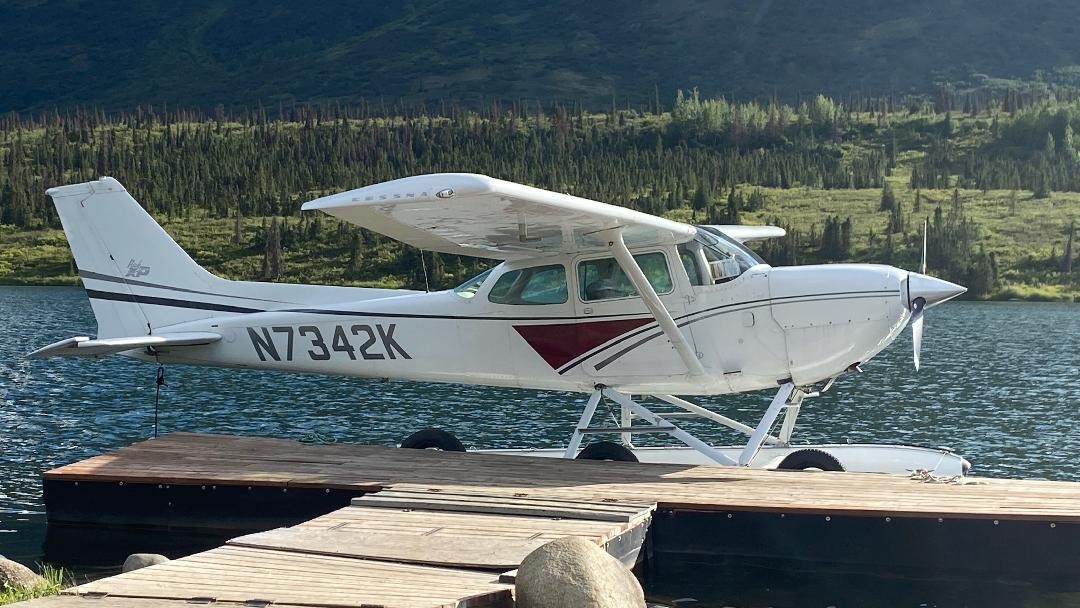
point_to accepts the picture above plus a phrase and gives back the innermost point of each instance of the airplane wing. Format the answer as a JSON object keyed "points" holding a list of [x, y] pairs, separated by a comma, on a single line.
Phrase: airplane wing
{"points": [[83, 346], [745, 234], [476, 215]]}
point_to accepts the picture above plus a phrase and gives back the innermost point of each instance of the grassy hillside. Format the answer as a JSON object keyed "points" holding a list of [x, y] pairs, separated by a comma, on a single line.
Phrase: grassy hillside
{"points": [[998, 182], [202, 53]]}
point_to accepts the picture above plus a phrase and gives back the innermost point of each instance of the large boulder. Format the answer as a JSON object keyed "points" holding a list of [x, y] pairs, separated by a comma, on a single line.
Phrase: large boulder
{"points": [[142, 560], [15, 574], [574, 573]]}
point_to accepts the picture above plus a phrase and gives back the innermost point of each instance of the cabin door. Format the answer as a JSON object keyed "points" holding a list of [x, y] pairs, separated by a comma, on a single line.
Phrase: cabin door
{"points": [[616, 333]]}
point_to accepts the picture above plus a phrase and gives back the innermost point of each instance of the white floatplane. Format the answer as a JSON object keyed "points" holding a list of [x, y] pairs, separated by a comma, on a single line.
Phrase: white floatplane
{"points": [[589, 298]]}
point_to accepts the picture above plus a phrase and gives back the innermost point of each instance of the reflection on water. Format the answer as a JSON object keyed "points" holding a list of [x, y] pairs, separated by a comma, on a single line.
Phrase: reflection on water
{"points": [[998, 385]]}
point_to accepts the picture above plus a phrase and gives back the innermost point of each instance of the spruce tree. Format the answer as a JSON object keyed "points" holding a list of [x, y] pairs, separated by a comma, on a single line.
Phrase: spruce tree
{"points": [[699, 202], [1067, 255], [888, 200], [236, 238], [273, 263]]}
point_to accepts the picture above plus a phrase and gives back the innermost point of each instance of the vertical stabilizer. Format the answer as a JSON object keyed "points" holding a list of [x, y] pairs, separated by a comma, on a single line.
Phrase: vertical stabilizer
{"points": [[128, 263]]}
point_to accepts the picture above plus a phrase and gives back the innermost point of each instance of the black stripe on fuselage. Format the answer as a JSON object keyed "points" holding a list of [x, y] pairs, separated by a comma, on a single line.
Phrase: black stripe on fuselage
{"points": [[97, 276], [156, 301]]}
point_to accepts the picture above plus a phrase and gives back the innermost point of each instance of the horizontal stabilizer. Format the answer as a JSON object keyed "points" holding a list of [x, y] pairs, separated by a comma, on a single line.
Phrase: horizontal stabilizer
{"points": [[82, 346]]}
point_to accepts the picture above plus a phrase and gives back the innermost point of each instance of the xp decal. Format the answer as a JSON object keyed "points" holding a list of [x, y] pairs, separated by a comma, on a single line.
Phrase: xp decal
{"points": [[136, 269]]}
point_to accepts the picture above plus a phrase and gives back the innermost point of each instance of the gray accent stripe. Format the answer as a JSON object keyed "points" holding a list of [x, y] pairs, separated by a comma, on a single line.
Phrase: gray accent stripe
{"points": [[87, 274]]}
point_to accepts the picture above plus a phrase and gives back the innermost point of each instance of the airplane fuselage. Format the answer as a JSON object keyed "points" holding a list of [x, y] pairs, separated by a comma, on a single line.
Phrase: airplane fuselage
{"points": [[766, 326]]}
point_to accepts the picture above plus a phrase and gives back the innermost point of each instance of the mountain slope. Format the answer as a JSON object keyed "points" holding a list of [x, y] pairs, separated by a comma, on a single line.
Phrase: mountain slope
{"points": [[205, 52]]}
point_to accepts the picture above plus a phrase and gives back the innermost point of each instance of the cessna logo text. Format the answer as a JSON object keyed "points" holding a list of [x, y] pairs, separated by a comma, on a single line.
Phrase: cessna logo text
{"points": [[368, 342], [136, 269]]}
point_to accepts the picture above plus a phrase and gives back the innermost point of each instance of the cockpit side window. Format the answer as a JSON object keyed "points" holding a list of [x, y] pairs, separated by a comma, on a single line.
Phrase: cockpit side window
{"points": [[531, 286], [725, 259], [691, 261], [604, 279]]}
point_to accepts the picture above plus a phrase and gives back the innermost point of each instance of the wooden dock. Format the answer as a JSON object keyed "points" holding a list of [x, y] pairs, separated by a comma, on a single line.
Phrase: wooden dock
{"points": [[186, 459], [431, 504]]}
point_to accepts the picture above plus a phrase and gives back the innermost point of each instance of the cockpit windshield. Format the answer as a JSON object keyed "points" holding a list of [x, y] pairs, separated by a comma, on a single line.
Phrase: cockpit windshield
{"points": [[469, 288], [714, 257]]}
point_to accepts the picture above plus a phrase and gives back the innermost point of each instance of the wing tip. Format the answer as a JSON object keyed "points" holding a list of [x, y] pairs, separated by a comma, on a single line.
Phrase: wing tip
{"points": [[427, 187], [744, 233]]}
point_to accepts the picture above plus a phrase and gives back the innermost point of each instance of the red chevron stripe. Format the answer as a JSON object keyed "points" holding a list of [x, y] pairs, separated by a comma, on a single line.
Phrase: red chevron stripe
{"points": [[560, 343]]}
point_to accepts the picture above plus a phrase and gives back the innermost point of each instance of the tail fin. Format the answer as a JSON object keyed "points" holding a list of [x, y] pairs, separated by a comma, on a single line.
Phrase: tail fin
{"points": [[128, 263]]}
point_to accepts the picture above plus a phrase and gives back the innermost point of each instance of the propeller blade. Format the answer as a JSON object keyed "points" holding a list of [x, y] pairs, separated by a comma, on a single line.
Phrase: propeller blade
{"points": [[917, 309], [916, 337]]}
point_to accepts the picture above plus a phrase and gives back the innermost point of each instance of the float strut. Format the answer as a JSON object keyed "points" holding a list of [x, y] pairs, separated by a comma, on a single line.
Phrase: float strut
{"points": [[762, 430], [586, 418]]}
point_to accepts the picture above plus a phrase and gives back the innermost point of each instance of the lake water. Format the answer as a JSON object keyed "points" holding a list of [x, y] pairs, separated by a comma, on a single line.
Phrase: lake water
{"points": [[998, 384]]}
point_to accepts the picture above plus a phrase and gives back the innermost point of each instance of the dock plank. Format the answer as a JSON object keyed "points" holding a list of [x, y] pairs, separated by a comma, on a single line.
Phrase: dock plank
{"points": [[447, 523], [244, 574], [505, 505], [462, 551], [95, 601]]}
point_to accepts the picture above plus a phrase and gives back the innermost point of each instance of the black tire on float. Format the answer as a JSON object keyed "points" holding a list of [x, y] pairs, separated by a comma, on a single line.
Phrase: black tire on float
{"points": [[607, 450], [801, 460], [433, 439]]}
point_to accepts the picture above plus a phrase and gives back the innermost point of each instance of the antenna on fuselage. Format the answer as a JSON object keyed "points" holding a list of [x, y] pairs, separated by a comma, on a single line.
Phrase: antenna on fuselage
{"points": [[922, 264], [423, 265]]}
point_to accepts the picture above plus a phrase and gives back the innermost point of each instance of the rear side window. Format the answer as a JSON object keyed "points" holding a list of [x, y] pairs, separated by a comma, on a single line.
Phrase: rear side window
{"points": [[604, 279], [537, 285]]}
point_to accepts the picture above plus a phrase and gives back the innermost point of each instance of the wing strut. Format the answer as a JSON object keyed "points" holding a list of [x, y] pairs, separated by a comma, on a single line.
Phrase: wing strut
{"points": [[655, 305]]}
